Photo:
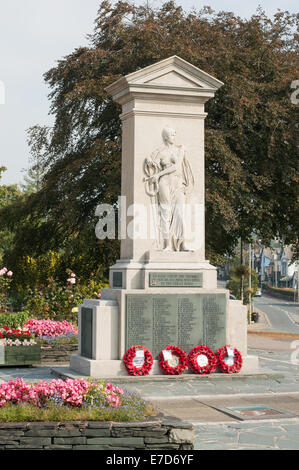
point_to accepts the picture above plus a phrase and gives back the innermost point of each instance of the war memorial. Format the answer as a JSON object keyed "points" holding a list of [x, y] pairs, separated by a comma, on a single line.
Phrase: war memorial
{"points": [[162, 291]]}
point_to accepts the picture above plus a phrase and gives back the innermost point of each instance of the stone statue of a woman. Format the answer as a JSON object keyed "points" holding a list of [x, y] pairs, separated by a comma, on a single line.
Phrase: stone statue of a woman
{"points": [[169, 180]]}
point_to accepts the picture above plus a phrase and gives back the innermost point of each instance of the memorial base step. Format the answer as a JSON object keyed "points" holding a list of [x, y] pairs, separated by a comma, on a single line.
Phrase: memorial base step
{"points": [[103, 369]]}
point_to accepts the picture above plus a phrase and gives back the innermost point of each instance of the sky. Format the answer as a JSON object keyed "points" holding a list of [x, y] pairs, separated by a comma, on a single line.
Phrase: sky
{"points": [[34, 34]]}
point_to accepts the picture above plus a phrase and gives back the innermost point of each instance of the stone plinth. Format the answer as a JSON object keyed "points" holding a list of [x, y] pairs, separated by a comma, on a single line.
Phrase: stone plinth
{"points": [[135, 275], [111, 323]]}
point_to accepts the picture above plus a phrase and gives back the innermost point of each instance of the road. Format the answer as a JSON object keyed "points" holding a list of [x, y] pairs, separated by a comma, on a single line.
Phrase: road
{"points": [[282, 314]]}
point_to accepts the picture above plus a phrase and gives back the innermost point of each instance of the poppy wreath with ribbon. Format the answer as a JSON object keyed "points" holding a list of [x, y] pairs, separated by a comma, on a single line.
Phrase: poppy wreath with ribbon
{"points": [[134, 369], [223, 362], [202, 360], [177, 364]]}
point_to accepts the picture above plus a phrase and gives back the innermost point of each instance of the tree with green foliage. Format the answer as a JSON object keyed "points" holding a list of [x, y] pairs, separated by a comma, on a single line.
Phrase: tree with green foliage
{"points": [[9, 194], [240, 276], [250, 138]]}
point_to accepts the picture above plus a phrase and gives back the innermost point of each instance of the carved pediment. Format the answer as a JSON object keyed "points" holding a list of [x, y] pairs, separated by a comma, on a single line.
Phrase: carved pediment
{"points": [[173, 73], [174, 79]]}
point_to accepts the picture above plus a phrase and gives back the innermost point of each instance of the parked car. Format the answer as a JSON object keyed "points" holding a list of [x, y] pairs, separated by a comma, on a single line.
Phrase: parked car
{"points": [[258, 293]]}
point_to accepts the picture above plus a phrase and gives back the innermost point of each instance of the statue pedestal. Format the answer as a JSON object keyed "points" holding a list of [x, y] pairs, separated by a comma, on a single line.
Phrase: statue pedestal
{"points": [[186, 269]]}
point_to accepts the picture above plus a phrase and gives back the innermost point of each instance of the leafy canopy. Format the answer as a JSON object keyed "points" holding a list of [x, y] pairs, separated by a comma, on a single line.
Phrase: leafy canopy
{"points": [[250, 140]]}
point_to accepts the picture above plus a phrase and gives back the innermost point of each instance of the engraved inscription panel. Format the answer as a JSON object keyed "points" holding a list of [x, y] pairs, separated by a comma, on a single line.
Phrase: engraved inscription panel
{"points": [[86, 332], [213, 307], [166, 279], [186, 320], [117, 279]]}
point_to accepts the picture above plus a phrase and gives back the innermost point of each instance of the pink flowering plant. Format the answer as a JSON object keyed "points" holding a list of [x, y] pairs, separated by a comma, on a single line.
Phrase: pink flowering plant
{"points": [[50, 328], [5, 281], [70, 392], [89, 399], [53, 331]]}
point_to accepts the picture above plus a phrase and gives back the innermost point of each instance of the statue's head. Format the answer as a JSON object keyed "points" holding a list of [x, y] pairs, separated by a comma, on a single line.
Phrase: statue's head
{"points": [[168, 135]]}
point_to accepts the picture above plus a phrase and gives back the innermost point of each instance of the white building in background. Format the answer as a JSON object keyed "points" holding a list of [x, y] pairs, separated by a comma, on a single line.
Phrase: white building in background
{"points": [[289, 268]]}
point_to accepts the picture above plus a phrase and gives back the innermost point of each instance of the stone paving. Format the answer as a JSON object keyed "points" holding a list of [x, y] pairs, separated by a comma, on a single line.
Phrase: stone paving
{"points": [[260, 434], [196, 400], [29, 374], [276, 434]]}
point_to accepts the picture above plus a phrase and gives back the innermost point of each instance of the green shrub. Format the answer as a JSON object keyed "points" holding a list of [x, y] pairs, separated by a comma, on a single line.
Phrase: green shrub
{"points": [[57, 301], [234, 284], [285, 292], [14, 320], [30, 272], [5, 287]]}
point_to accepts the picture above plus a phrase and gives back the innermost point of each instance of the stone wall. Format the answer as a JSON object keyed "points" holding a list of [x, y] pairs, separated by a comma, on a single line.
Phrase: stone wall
{"points": [[97, 435], [57, 353]]}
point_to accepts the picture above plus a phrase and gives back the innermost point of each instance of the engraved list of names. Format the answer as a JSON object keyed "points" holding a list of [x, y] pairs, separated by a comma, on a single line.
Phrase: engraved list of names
{"points": [[185, 320]]}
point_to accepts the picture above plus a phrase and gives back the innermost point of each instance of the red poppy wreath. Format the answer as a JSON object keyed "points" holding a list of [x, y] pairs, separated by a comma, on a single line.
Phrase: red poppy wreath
{"points": [[173, 360], [229, 359], [202, 360], [138, 360]]}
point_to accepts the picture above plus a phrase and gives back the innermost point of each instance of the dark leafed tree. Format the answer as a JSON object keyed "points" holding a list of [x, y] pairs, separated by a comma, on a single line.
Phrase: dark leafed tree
{"points": [[250, 143], [33, 177], [9, 194]]}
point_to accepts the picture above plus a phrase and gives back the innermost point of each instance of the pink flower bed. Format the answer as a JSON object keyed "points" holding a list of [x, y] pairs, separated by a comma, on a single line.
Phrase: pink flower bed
{"points": [[72, 392], [50, 327]]}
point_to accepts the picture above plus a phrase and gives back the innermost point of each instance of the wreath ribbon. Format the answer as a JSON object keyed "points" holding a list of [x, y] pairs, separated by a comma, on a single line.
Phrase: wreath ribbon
{"points": [[178, 362], [130, 361], [223, 360], [202, 360]]}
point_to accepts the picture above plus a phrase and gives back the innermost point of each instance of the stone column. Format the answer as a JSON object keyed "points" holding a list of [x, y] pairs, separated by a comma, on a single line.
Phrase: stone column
{"points": [[170, 94]]}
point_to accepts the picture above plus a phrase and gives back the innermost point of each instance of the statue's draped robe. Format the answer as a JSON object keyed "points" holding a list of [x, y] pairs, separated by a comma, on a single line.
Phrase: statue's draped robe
{"points": [[169, 195]]}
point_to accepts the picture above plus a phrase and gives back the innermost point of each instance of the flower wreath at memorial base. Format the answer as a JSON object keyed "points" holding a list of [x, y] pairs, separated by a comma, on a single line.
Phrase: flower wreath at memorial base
{"points": [[176, 363], [138, 365], [227, 363], [202, 360]]}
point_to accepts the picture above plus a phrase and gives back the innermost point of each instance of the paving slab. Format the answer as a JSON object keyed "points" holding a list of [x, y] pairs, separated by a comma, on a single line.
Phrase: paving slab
{"points": [[217, 409], [272, 435], [29, 374], [190, 410], [267, 342]]}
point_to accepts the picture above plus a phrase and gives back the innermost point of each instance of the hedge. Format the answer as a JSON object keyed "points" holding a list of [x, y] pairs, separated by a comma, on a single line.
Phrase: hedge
{"points": [[280, 292], [13, 320]]}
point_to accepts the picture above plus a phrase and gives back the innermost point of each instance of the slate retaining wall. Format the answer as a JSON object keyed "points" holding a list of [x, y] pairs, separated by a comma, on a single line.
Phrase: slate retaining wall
{"points": [[57, 353], [97, 435]]}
